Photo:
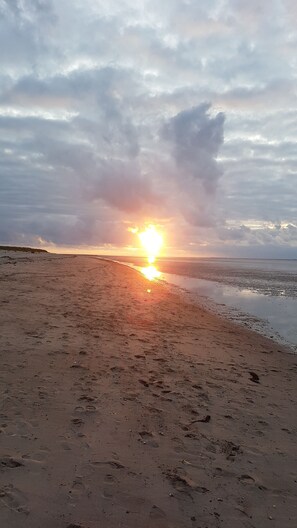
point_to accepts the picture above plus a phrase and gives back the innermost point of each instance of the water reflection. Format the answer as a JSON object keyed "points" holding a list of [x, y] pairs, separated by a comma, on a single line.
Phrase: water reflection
{"points": [[275, 315], [151, 272]]}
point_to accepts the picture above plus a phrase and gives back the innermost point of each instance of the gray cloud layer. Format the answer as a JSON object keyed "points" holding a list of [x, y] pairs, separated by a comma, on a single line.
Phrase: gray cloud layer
{"points": [[179, 112]]}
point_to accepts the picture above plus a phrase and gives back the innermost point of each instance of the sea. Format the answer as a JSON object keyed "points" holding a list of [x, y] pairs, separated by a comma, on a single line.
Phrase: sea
{"points": [[258, 293]]}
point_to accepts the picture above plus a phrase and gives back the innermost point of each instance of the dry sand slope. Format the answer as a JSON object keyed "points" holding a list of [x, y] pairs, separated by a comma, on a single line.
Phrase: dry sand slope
{"points": [[123, 408]]}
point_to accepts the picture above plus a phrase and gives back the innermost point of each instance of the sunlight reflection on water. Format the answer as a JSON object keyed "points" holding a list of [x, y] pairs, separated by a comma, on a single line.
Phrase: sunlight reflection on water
{"points": [[151, 273]]}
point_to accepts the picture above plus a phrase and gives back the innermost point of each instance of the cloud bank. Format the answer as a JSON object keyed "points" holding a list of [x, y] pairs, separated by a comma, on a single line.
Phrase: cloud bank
{"points": [[179, 113]]}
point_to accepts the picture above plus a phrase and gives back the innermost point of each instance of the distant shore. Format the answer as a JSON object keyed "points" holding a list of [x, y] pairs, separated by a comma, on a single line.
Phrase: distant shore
{"points": [[21, 249], [124, 405]]}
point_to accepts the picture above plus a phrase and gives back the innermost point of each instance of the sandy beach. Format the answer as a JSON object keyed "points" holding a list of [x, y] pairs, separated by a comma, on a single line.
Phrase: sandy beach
{"points": [[124, 406]]}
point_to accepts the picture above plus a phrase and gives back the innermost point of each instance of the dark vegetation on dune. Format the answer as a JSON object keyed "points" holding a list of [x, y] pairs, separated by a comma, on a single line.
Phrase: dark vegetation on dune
{"points": [[26, 249]]}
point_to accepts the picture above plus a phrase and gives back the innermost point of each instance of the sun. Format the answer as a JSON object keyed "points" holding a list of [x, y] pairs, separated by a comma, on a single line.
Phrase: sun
{"points": [[152, 242]]}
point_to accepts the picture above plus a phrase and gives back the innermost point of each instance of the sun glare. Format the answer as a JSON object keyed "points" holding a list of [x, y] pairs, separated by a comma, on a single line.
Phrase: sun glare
{"points": [[152, 242], [151, 272]]}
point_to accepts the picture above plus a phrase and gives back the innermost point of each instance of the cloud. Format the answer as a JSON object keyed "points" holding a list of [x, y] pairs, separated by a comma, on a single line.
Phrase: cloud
{"points": [[103, 120], [195, 138], [122, 186]]}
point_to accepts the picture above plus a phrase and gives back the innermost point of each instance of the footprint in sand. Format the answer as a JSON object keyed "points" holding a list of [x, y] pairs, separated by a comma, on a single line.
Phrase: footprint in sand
{"points": [[86, 398], [107, 493], [179, 446], [157, 518], [35, 458], [131, 396], [160, 360], [13, 499], [110, 479], [117, 369], [183, 483], [79, 408], [112, 463], [254, 377], [78, 487], [249, 480], [230, 449], [77, 421], [220, 472], [144, 382], [65, 445], [91, 408], [246, 479], [7, 461], [85, 409], [147, 438]]}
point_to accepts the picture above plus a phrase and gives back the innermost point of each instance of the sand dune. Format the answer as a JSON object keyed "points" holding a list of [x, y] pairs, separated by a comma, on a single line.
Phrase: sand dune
{"points": [[124, 408]]}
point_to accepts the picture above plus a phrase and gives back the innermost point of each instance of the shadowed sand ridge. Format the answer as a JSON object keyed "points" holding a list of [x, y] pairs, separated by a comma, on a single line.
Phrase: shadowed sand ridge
{"points": [[125, 408]]}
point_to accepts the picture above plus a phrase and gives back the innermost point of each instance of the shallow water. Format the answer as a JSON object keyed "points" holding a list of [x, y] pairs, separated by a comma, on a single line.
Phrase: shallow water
{"points": [[259, 293], [271, 315]]}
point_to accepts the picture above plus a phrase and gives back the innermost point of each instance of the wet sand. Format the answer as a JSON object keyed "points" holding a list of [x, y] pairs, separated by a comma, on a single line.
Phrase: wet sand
{"points": [[127, 408]]}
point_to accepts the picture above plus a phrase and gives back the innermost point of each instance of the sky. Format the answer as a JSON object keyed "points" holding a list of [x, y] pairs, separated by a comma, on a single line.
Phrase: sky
{"points": [[178, 113]]}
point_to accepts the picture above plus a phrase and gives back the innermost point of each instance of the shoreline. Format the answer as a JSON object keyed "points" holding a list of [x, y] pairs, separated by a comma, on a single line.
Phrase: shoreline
{"points": [[123, 407], [237, 316], [234, 314]]}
